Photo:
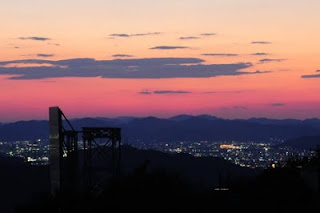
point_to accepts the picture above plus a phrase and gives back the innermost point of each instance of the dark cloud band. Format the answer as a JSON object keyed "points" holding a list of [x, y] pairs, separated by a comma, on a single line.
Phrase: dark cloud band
{"points": [[144, 68]]}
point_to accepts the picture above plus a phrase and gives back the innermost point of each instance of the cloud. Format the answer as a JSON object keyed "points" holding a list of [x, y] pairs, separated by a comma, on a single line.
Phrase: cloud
{"points": [[145, 92], [146, 34], [188, 38], [240, 107], [223, 92], [119, 35], [208, 34], [267, 60], [312, 75], [261, 42], [220, 54], [45, 55], [260, 54], [234, 108], [35, 38], [34, 55], [124, 35], [168, 47], [261, 72], [161, 92], [122, 56], [277, 104], [53, 44], [144, 68]]}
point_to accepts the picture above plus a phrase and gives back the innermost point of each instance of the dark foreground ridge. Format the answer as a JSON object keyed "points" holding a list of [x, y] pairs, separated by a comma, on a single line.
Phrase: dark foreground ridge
{"points": [[159, 182]]}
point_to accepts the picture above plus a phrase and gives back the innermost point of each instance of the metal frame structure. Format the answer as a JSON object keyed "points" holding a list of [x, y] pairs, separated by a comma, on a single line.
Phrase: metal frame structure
{"points": [[66, 168], [102, 154]]}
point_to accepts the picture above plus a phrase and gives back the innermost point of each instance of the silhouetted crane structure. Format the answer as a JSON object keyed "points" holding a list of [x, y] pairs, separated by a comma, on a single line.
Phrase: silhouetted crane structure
{"points": [[74, 167]]}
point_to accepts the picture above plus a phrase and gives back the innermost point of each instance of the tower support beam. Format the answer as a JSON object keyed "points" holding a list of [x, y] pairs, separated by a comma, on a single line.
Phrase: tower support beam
{"points": [[55, 147]]}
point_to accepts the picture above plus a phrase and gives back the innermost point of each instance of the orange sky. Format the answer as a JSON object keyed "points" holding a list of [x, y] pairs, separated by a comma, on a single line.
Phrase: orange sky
{"points": [[285, 30]]}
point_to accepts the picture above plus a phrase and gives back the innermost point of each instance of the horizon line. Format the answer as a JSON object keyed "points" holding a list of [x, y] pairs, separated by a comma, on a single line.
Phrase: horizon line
{"points": [[164, 117]]}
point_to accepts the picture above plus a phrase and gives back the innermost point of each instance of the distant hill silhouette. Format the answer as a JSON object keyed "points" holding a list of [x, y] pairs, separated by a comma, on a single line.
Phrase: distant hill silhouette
{"points": [[24, 130], [305, 142], [275, 121], [196, 128], [314, 122], [184, 117], [181, 127]]}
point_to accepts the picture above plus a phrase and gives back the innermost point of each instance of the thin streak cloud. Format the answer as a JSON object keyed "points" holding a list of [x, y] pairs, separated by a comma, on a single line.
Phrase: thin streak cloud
{"points": [[168, 47], [259, 54], [125, 35], [221, 54], [261, 42], [45, 55], [316, 75], [188, 38], [268, 60], [122, 56], [35, 38], [162, 92], [208, 34], [278, 104]]}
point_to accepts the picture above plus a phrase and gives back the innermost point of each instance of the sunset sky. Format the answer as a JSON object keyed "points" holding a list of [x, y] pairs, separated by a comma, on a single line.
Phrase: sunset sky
{"points": [[103, 58]]}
